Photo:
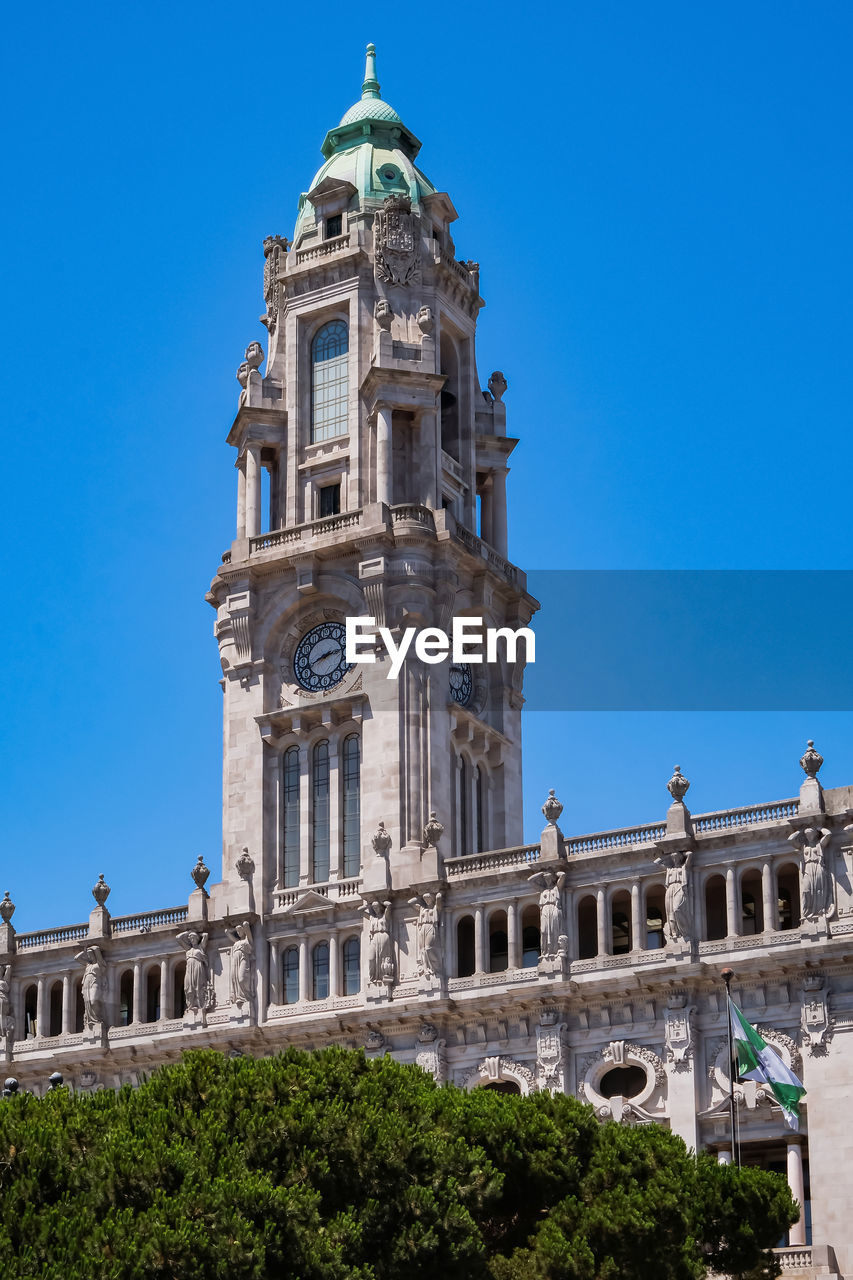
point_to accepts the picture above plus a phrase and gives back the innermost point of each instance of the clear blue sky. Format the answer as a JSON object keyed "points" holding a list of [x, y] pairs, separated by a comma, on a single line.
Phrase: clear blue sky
{"points": [[659, 196]]}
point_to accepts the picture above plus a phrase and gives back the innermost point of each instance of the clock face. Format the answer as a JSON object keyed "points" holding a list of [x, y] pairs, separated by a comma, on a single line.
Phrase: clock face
{"points": [[319, 662], [461, 683]]}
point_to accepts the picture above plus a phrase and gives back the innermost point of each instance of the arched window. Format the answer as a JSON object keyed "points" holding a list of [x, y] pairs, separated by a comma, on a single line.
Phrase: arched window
{"points": [[290, 805], [125, 999], [530, 939], [352, 966], [498, 942], [716, 925], [788, 895], [587, 928], [320, 971], [320, 833], [31, 1011], [655, 907], [329, 382], [55, 1010], [152, 995], [752, 907], [352, 805], [290, 975], [179, 997], [465, 959], [620, 920], [464, 846]]}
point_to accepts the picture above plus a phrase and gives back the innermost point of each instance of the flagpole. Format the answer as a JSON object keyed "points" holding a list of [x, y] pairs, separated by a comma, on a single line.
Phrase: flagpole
{"points": [[727, 975]]}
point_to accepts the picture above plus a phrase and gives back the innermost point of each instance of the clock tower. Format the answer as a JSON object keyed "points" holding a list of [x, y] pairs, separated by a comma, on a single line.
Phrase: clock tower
{"points": [[371, 483]]}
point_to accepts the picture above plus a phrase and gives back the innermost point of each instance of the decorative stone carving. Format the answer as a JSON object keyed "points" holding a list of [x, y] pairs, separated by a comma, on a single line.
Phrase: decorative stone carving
{"points": [[679, 917], [817, 900], [381, 969], [811, 760], [7, 908], [618, 1051], [7, 1022], [243, 374], [200, 873], [381, 841], [198, 988], [375, 1041], [553, 941], [245, 864], [383, 314], [101, 891], [816, 1021], [94, 988], [427, 1033], [678, 786], [425, 320], [493, 1069], [254, 355], [550, 1052], [552, 808], [395, 242], [275, 248], [431, 1057], [433, 831], [678, 1031], [242, 964], [497, 385], [429, 955]]}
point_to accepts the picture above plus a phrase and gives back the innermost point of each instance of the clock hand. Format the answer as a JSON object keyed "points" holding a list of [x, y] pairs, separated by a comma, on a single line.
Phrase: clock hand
{"points": [[328, 653]]}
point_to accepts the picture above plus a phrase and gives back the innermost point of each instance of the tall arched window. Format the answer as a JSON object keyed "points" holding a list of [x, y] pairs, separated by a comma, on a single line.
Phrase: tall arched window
{"points": [[351, 805], [352, 966], [125, 999], [329, 382], [478, 816], [55, 1010], [290, 805], [320, 842], [464, 785], [320, 971], [31, 1010], [290, 975]]}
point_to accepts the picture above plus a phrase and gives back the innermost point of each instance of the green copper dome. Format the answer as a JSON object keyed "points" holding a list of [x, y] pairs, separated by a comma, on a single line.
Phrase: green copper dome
{"points": [[371, 106]]}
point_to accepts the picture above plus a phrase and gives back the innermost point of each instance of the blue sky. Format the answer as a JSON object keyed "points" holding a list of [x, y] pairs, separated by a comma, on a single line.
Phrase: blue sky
{"points": [[659, 197]]}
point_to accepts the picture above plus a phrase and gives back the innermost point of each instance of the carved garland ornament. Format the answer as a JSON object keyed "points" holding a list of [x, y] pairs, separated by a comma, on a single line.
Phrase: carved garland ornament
{"points": [[494, 1069]]}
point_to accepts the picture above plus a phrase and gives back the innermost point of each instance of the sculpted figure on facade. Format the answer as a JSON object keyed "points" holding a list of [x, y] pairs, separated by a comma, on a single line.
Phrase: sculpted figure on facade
{"points": [[430, 960], [242, 963], [94, 987], [380, 951], [7, 1024], [551, 917], [816, 896], [197, 994], [679, 917]]}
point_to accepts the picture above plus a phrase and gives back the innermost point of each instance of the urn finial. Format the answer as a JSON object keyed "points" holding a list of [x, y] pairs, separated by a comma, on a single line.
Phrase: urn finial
{"points": [[381, 841], [7, 908], [433, 831], [100, 891], [200, 872], [678, 786], [811, 760], [245, 864], [552, 808]]}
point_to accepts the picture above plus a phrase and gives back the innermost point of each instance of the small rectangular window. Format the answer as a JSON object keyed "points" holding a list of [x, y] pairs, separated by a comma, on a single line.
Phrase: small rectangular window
{"points": [[330, 500], [334, 226]]}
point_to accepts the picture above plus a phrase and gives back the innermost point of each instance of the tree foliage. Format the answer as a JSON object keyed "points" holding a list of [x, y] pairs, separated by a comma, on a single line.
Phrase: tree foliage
{"points": [[328, 1166]]}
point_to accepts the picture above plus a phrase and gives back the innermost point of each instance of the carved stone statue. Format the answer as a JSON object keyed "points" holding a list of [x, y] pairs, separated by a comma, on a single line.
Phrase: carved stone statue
{"points": [[679, 917], [197, 976], [816, 897], [383, 314], [7, 1024], [429, 934], [551, 920], [242, 963], [381, 841], [380, 953], [94, 986]]}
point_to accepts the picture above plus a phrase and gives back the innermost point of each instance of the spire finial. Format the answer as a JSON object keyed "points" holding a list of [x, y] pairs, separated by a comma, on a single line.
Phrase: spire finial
{"points": [[370, 88]]}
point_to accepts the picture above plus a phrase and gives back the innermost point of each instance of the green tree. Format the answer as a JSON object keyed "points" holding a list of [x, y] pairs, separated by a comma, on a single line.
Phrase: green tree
{"points": [[328, 1166]]}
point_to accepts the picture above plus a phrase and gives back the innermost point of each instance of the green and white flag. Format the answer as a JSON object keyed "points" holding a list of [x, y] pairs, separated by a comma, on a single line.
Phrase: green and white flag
{"points": [[757, 1061]]}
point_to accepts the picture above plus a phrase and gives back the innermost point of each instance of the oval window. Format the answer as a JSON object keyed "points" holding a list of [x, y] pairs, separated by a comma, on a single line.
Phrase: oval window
{"points": [[623, 1082]]}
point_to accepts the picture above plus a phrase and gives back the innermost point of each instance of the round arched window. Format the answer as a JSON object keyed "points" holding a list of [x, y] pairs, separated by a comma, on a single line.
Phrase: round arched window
{"points": [[623, 1082]]}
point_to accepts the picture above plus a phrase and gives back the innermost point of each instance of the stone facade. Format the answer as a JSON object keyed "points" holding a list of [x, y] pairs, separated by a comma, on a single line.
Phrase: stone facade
{"points": [[375, 892]]}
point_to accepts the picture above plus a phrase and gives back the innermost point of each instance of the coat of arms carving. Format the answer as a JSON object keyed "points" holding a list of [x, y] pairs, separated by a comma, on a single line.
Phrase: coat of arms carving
{"points": [[395, 242]]}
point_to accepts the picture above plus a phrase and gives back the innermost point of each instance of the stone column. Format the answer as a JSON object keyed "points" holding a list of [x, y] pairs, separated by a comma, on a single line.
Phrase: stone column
{"points": [[479, 941], [732, 912], [601, 921], [637, 931], [241, 499], [513, 958], [137, 993], [166, 1002], [68, 1005], [333, 966], [303, 968], [276, 995], [253, 490], [768, 897], [797, 1235], [383, 454], [42, 1008], [498, 511]]}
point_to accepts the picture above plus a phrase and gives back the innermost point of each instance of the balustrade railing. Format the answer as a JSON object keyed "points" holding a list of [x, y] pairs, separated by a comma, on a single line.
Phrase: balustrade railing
{"points": [[494, 860], [745, 816], [144, 921], [44, 937], [322, 250], [412, 514], [794, 1258], [314, 529], [619, 839]]}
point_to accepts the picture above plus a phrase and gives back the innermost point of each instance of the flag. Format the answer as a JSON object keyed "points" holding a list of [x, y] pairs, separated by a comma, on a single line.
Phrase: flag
{"points": [[757, 1061]]}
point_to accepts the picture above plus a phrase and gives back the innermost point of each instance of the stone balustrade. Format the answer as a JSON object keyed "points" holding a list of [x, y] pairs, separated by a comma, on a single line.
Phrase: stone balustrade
{"points": [[51, 937], [145, 921], [728, 819], [326, 249]]}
